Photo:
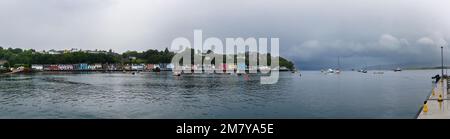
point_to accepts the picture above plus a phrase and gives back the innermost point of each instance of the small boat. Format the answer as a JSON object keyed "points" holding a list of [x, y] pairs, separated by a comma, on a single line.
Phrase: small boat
{"points": [[330, 71], [364, 71], [397, 69], [337, 71]]}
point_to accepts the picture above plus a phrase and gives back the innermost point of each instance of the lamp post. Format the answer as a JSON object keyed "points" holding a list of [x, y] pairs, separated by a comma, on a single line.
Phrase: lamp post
{"points": [[442, 78], [442, 62]]}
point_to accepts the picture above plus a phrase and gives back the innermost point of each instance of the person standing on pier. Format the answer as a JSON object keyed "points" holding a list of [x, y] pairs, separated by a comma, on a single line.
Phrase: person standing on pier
{"points": [[437, 77]]}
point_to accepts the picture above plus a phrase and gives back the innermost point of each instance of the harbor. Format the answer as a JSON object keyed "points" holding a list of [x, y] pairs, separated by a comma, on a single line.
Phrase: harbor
{"points": [[227, 59]]}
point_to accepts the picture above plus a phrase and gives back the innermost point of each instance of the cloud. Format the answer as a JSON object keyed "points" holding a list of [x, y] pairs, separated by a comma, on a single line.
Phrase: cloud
{"points": [[389, 41], [425, 41]]}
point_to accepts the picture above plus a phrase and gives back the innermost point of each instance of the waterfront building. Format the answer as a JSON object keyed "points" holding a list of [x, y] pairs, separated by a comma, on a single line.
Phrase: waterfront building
{"points": [[51, 67], [253, 69], [231, 67], [208, 68], [110, 67], [73, 50], [91, 67], [170, 66], [96, 51], [126, 67], [163, 66], [195, 67], [37, 67], [156, 66], [95, 66], [65, 67], [149, 67], [166, 66], [137, 67], [98, 66], [241, 67], [186, 68], [54, 52], [223, 67], [82, 66], [220, 68]]}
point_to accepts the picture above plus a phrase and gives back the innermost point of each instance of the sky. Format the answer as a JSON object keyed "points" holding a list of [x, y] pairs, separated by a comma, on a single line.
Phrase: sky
{"points": [[313, 33]]}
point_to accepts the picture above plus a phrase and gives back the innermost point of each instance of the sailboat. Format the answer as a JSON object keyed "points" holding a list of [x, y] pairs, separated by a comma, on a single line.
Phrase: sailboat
{"points": [[330, 71], [363, 70], [337, 71], [397, 69]]}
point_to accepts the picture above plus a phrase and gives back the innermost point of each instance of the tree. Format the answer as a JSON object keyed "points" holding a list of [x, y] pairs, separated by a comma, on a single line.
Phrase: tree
{"points": [[28, 57]]}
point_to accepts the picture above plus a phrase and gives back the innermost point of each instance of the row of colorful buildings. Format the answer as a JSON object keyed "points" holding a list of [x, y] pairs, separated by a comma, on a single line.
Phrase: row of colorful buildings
{"points": [[100, 67], [146, 67]]}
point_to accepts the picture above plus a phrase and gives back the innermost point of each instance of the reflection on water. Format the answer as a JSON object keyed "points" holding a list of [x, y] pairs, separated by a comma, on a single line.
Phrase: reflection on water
{"points": [[161, 95]]}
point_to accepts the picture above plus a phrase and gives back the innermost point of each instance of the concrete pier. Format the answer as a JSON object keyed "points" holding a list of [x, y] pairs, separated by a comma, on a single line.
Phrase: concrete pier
{"points": [[437, 109]]}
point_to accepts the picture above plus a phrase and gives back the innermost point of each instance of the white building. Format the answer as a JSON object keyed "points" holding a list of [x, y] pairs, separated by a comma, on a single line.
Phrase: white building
{"points": [[137, 67], [54, 52], [170, 66], [37, 67], [156, 66], [95, 66]]}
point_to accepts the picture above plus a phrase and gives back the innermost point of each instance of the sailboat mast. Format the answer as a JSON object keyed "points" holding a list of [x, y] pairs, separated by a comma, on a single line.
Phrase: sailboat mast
{"points": [[339, 62]]}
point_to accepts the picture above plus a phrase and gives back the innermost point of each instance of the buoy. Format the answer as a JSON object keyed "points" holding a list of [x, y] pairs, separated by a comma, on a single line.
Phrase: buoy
{"points": [[425, 106]]}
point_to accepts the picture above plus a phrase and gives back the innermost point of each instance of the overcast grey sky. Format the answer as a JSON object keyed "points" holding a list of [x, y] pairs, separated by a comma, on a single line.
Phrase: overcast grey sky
{"points": [[313, 33]]}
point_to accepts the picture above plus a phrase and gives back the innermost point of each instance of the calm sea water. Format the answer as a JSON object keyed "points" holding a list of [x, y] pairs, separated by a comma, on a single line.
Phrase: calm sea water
{"points": [[161, 95]]}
